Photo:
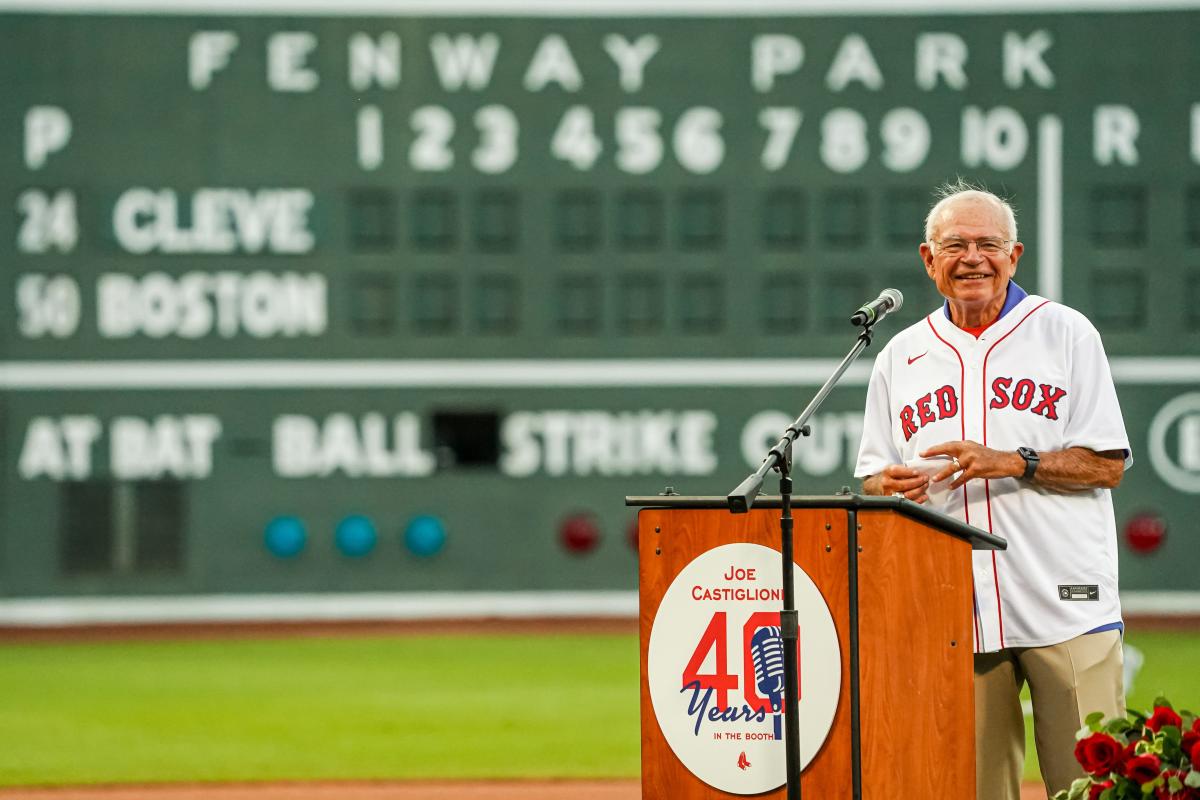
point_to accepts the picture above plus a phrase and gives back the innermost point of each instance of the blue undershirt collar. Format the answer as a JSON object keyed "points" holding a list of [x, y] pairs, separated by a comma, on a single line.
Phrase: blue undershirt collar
{"points": [[1015, 295]]}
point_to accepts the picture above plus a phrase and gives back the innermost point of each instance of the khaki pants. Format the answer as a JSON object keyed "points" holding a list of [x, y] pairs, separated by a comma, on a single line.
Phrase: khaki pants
{"points": [[1067, 682]]}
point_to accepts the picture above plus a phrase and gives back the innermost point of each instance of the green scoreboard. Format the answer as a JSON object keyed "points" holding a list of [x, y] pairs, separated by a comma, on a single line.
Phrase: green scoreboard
{"points": [[363, 296]]}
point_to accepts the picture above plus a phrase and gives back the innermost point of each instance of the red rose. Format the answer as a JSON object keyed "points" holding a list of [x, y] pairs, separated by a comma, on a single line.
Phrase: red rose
{"points": [[1142, 769], [1126, 753], [1163, 716], [1099, 754], [1096, 788], [1194, 755], [1189, 741]]}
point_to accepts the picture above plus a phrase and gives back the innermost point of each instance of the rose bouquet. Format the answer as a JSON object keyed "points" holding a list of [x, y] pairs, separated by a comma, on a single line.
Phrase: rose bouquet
{"points": [[1138, 757]]}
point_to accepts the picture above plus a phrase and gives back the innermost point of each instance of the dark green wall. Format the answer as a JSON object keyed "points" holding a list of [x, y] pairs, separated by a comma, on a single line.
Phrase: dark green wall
{"points": [[714, 251]]}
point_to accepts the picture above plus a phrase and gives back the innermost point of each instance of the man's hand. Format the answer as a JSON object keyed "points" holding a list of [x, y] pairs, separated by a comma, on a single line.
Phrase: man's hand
{"points": [[1075, 469], [898, 479], [975, 461]]}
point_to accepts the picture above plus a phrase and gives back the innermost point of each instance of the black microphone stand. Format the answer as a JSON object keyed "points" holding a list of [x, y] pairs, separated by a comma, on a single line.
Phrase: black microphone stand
{"points": [[779, 458]]}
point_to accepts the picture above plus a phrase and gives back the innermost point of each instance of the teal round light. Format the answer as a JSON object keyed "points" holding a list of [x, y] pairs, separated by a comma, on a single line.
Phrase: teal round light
{"points": [[425, 536], [285, 537], [355, 536]]}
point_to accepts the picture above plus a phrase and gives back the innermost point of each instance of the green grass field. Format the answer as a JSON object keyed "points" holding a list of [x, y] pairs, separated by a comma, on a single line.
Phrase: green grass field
{"points": [[346, 708], [402, 707]]}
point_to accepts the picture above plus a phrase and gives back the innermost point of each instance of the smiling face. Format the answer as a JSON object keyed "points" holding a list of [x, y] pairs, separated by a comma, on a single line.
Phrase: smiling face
{"points": [[974, 283]]}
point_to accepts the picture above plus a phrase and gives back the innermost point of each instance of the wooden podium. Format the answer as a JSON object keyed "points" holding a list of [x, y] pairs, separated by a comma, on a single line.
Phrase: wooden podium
{"points": [[896, 577]]}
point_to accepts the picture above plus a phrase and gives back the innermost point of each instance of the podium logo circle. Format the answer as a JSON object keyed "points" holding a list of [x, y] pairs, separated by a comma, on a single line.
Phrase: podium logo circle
{"points": [[715, 668]]}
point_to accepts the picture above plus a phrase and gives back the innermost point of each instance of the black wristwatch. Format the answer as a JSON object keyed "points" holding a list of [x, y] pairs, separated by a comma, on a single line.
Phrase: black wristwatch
{"points": [[1031, 461]]}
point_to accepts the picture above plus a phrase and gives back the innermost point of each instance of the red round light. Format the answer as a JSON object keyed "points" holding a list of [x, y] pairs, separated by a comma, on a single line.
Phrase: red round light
{"points": [[1145, 533], [579, 533]]}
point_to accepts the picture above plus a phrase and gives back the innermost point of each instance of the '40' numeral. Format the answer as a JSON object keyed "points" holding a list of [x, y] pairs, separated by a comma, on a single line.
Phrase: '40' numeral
{"points": [[765, 679]]}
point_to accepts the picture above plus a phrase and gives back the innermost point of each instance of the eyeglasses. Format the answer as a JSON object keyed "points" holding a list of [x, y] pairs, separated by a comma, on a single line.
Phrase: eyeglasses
{"points": [[958, 247]]}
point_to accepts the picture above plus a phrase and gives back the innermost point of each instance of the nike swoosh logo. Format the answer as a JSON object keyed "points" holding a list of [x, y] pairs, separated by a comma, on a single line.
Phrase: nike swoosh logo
{"points": [[914, 358]]}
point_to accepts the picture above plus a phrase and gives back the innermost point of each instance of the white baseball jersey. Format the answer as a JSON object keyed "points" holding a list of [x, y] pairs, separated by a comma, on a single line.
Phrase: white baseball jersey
{"points": [[1039, 378]]}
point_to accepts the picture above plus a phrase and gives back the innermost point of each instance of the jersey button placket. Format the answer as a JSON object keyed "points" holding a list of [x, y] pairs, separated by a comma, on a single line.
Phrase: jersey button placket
{"points": [[972, 401]]}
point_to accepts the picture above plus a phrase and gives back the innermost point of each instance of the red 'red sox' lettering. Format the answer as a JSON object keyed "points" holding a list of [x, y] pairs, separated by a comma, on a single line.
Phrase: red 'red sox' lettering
{"points": [[943, 403], [906, 422], [1048, 408], [1021, 397], [947, 407], [924, 412], [947, 402]]}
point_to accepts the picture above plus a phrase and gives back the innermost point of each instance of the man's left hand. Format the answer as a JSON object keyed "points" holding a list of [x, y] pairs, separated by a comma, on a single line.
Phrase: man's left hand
{"points": [[973, 460]]}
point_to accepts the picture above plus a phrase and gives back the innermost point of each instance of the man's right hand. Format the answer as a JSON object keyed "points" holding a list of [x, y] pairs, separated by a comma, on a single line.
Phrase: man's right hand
{"points": [[898, 479]]}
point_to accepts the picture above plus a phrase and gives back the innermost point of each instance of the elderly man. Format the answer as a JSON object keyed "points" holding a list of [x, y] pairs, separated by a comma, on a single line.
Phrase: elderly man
{"points": [[999, 409]]}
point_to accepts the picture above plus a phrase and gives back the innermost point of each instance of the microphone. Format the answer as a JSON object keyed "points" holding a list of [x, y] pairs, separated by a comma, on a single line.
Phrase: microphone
{"points": [[766, 650], [889, 300]]}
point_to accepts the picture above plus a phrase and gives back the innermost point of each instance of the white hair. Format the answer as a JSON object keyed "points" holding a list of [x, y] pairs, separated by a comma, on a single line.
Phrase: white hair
{"points": [[960, 189]]}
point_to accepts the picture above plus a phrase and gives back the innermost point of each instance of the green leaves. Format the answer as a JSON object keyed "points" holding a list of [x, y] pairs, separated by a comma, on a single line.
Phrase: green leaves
{"points": [[1169, 740], [1079, 788], [1117, 726]]}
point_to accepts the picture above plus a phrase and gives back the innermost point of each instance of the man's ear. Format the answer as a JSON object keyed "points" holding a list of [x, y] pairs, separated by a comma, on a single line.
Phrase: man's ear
{"points": [[1015, 256], [927, 258]]}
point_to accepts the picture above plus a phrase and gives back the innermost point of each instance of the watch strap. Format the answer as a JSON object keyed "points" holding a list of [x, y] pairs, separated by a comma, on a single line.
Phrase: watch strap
{"points": [[1031, 461]]}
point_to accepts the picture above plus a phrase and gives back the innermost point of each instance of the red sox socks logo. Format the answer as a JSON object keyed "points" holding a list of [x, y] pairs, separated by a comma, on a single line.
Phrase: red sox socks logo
{"points": [[943, 403]]}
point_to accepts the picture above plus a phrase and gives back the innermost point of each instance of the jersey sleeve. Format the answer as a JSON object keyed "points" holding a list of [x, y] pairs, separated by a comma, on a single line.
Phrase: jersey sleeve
{"points": [[1095, 421], [877, 450]]}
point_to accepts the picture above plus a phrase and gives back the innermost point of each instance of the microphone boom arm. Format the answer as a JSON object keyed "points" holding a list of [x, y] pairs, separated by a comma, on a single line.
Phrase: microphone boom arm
{"points": [[779, 457]]}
